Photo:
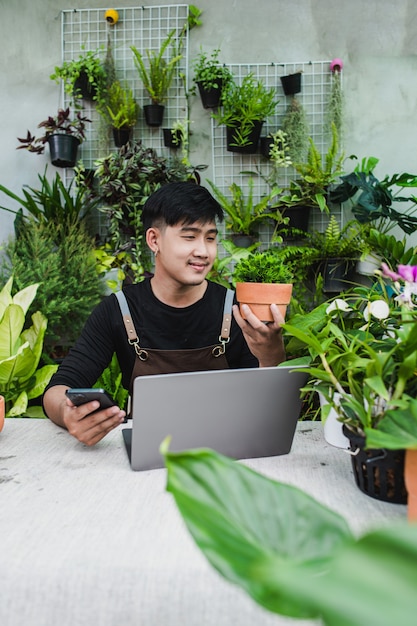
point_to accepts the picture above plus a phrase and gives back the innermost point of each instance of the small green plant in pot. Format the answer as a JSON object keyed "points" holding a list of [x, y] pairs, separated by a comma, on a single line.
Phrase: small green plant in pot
{"points": [[121, 112], [262, 279], [211, 77], [84, 77], [245, 107]]}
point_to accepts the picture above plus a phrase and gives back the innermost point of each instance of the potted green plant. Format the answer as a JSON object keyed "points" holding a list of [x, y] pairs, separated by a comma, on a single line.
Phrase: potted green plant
{"points": [[84, 77], [243, 213], [244, 109], [21, 378], [157, 75], [63, 133], [262, 279], [121, 112], [363, 347], [211, 77]]}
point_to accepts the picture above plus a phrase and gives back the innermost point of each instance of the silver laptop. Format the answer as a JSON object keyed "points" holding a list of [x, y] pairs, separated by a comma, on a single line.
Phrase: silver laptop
{"points": [[242, 413]]}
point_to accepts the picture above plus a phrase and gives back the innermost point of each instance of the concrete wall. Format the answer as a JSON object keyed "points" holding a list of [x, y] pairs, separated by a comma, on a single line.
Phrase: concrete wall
{"points": [[376, 39]]}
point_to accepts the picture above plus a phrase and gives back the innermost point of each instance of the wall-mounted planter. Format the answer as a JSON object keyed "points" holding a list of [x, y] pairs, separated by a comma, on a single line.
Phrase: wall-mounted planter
{"points": [[291, 83], [63, 150], [172, 138], [259, 296], [122, 135], [154, 114], [251, 146], [337, 275], [83, 87], [210, 98]]}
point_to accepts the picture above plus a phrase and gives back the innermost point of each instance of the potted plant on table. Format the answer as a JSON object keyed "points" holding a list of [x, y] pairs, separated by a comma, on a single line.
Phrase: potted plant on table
{"points": [[211, 77], [158, 75], [243, 213], [262, 279], [363, 351], [63, 133], [244, 109]]}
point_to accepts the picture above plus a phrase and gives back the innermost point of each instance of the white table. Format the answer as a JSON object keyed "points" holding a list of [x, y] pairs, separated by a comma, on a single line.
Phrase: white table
{"points": [[85, 541]]}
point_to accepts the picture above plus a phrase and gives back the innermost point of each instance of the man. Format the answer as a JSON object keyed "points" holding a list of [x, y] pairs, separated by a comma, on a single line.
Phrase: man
{"points": [[174, 319]]}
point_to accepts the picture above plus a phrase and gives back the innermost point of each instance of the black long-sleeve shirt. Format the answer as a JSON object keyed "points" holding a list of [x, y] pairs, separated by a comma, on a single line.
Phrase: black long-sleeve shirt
{"points": [[158, 326]]}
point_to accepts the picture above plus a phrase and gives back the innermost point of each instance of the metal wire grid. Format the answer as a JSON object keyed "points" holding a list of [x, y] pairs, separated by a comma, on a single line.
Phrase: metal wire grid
{"points": [[145, 28], [229, 167]]}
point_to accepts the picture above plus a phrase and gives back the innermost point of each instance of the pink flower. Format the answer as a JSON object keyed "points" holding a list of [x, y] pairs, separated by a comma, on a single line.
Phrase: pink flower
{"points": [[408, 273], [389, 273]]}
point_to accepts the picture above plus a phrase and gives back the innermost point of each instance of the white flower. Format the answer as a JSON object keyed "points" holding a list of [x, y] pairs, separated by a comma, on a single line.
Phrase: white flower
{"points": [[378, 309], [338, 305]]}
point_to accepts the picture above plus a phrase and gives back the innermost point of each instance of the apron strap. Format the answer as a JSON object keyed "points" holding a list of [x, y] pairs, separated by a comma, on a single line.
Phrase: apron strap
{"points": [[131, 331]]}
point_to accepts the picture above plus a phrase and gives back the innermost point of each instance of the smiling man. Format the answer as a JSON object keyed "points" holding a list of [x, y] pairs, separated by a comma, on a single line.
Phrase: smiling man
{"points": [[175, 321]]}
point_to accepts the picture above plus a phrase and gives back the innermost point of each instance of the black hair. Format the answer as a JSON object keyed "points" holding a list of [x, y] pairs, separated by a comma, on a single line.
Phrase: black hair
{"points": [[180, 203]]}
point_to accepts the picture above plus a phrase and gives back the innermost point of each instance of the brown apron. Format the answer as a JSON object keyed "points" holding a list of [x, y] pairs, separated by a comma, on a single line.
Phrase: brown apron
{"points": [[149, 361]]}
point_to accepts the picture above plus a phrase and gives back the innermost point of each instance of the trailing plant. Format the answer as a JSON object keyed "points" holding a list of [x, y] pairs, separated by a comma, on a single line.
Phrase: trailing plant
{"points": [[336, 105], [21, 378], [262, 267], [243, 214], [245, 103], [89, 65], [61, 124], [296, 129]]}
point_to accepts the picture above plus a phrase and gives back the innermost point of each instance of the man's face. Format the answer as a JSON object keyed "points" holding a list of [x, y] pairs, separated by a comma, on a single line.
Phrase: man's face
{"points": [[186, 252]]}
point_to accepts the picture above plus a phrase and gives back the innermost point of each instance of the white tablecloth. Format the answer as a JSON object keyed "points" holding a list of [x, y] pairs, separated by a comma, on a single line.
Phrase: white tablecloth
{"points": [[85, 541]]}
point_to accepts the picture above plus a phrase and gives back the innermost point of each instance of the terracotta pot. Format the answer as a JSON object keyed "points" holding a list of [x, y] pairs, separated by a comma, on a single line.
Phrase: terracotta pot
{"points": [[410, 478], [259, 296], [2, 410]]}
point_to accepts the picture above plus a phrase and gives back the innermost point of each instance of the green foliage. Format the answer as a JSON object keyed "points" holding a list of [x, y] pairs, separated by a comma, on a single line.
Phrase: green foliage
{"points": [[62, 123], [373, 200], [21, 379], [262, 267], [245, 103], [111, 381], [391, 250], [336, 105], [88, 63], [397, 430], [158, 76], [121, 109], [243, 214], [209, 72], [295, 126], [62, 261], [335, 242], [291, 554], [53, 203]]}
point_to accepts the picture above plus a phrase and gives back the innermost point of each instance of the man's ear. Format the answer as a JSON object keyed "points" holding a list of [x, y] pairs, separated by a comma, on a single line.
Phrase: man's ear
{"points": [[152, 238]]}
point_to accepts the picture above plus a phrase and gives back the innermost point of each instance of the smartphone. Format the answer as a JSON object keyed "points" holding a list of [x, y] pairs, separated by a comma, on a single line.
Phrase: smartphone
{"points": [[81, 396]]}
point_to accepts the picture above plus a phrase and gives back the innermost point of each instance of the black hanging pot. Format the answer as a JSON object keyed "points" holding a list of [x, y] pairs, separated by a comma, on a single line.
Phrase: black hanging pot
{"points": [[154, 114], [243, 241], [379, 473], [337, 274], [63, 150], [122, 135], [298, 221], [83, 87], [210, 98], [251, 145], [172, 138], [265, 144], [291, 83]]}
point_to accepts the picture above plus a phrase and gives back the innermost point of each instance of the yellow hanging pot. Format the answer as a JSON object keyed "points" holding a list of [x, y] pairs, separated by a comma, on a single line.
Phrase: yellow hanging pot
{"points": [[112, 16]]}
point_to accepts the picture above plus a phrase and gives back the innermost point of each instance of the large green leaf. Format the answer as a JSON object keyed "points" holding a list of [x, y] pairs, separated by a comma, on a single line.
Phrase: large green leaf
{"points": [[397, 430], [291, 554], [238, 518], [26, 296], [10, 328]]}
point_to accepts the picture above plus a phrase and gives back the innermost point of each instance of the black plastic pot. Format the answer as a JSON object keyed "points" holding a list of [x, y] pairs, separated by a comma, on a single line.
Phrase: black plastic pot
{"points": [[122, 136], [210, 98], [291, 83], [378, 473], [154, 114], [172, 138], [299, 219], [63, 150], [252, 141], [243, 241], [337, 274], [83, 87], [265, 144]]}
